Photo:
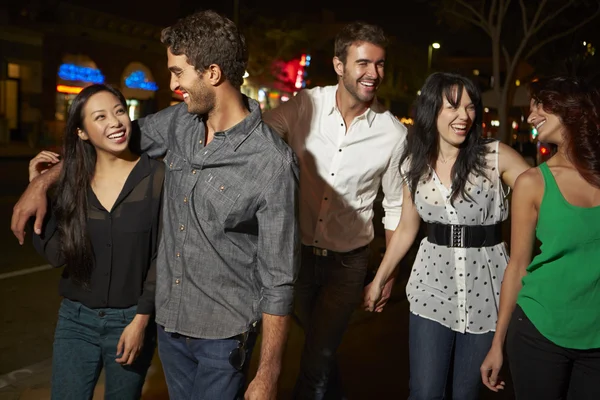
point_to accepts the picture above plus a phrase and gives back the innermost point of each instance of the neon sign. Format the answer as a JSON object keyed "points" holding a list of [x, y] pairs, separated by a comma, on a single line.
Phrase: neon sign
{"points": [[68, 89], [304, 62], [138, 80], [72, 72]]}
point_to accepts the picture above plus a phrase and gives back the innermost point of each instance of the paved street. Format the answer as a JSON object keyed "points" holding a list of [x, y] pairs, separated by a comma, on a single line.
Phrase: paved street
{"points": [[373, 356]]}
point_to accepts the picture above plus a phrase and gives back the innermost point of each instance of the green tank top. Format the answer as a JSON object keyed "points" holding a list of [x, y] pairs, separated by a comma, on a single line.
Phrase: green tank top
{"points": [[561, 291]]}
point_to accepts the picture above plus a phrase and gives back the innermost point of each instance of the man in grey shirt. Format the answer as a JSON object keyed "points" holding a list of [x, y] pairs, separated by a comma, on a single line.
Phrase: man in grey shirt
{"points": [[229, 248]]}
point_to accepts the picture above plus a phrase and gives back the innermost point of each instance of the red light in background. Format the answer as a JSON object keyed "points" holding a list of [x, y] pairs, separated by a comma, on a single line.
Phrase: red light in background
{"points": [[543, 150]]}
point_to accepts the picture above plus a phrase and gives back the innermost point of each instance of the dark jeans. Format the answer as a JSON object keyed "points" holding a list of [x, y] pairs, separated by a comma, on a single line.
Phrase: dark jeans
{"points": [[328, 290], [200, 368], [85, 342], [432, 347], [543, 370]]}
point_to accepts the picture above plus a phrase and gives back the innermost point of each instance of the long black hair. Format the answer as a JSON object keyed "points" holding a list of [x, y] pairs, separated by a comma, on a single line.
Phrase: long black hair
{"points": [[421, 152], [71, 203]]}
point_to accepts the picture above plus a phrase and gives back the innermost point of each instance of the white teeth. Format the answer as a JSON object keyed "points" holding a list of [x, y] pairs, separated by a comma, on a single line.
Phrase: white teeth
{"points": [[540, 124], [459, 127], [116, 135], [369, 84]]}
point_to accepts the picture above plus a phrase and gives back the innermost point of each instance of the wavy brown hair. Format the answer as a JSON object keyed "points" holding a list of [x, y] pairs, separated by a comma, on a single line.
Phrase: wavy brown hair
{"points": [[358, 32], [577, 105], [207, 38]]}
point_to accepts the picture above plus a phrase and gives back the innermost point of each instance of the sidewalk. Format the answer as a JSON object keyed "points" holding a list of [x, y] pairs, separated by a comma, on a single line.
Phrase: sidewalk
{"points": [[373, 361]]}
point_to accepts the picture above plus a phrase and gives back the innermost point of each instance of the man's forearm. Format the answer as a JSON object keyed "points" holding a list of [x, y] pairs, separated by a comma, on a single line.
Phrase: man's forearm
{"points": [[49, 178], [275, 331]]}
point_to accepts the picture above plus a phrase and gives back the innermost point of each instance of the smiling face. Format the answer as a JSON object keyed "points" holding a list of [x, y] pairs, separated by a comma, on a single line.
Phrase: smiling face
{"points": [[549, 126], [106, 123], [362, 72], [454, 121], [198, 94]]}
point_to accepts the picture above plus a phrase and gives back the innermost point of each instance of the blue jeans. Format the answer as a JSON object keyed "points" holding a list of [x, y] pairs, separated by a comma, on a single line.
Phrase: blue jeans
{"points": [[86, 341], [200, 368], [328, 290], [432, 347]]}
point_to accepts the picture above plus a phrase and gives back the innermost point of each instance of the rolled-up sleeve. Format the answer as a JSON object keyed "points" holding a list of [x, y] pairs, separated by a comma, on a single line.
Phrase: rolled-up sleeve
{"points": [[279, 241], [391, 184]]}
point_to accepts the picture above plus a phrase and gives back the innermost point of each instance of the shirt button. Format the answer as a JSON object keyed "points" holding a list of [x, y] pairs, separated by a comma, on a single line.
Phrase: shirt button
{"points": [[340, 150], [320, 220], [222, 188], [101, 314], [332, 174], [178, 255], [325, 198], [171, 165], [185, 199], [181, 227], [200, 142], [316, 241], [194, 172], [177, 281]]}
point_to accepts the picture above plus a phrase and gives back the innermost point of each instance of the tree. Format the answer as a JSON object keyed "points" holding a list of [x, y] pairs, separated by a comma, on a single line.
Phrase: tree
{"points": [[271, 41], [536, 18], [403, 75]]}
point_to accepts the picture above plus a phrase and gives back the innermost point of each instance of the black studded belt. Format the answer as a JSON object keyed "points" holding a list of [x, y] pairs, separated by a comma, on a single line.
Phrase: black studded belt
{"points": [[464, 235]]}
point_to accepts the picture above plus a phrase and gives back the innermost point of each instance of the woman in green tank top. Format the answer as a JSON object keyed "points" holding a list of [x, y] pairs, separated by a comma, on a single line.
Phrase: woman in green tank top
{"points": [[550, 306]]}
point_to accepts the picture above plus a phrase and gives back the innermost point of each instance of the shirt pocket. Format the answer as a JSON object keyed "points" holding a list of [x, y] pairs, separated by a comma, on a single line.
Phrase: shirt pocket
{"points": [[217, 196], [174, 176]]}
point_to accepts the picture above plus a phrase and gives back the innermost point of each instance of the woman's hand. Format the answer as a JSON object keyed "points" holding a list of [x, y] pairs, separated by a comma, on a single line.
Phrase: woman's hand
{"points": [[42, 163], [132, 340], [491, 367]]}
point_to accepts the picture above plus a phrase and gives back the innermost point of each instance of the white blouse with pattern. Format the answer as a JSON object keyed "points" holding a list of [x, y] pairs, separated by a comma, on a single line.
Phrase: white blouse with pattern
{"points": [[460, 287]]}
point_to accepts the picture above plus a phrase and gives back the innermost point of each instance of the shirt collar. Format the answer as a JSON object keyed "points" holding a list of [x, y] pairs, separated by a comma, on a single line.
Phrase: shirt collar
{"points": [[237, 134], [141, 170], [369, 114]]}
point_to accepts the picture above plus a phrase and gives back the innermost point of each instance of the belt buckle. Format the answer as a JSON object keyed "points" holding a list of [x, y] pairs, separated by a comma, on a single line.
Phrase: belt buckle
{"points": [[319, 252], [457, 236]]}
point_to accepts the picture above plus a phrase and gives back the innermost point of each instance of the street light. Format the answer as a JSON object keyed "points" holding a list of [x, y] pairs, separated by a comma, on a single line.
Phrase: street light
{"points": [[430, 54]]}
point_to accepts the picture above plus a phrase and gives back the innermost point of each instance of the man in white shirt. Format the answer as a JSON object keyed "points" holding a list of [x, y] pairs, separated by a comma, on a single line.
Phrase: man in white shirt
{"points": [[348, 146]]}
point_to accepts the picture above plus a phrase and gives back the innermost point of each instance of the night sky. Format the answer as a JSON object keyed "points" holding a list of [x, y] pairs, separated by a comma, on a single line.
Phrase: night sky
{"points": [[417, 22]]}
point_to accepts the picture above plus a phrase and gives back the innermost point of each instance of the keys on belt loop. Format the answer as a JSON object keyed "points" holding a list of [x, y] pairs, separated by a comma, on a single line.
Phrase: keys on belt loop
{"points": [[319, 252]]}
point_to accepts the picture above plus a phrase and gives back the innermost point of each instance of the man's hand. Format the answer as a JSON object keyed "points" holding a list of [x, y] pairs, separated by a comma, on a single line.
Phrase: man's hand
{"points": [[379, 300], [262, 387], [132, 340], [33, 203]]}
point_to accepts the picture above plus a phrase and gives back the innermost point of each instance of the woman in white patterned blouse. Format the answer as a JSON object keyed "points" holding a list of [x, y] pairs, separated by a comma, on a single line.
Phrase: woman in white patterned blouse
{"points": [[453, 182]]}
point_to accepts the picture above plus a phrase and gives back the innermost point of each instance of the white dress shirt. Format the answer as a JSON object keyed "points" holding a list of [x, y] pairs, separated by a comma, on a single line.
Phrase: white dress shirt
{"points": [[341, 169]]}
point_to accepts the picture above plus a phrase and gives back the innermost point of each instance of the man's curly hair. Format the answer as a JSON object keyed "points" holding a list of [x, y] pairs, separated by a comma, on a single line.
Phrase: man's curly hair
{"points": [[207, 38]]}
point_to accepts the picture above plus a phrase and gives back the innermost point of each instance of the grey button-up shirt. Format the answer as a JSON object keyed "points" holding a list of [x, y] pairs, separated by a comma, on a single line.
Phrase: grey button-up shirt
{"points": [[229, 249]]}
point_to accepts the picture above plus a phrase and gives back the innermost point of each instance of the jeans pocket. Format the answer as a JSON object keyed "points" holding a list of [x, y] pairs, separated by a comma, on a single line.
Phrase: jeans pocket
{"points": [[357, 261]]}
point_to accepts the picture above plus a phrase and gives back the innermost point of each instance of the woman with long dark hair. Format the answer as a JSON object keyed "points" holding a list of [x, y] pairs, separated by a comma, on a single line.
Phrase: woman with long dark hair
{"points": [[103, 226], [453, 182], [550, 305]]}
